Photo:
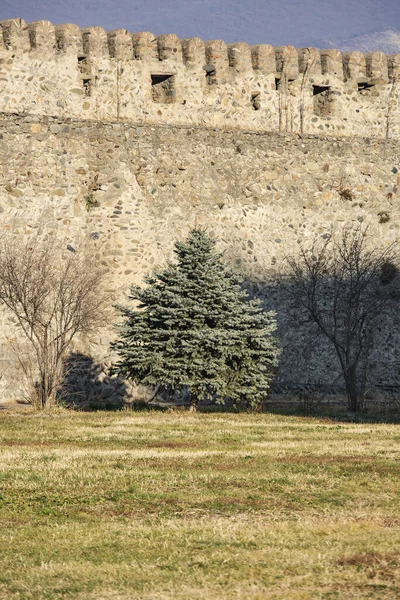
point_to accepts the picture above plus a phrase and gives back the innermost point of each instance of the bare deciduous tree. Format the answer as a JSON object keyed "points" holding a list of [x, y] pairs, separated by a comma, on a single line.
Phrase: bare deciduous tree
{"points": [[345, 285], [54, 294]]}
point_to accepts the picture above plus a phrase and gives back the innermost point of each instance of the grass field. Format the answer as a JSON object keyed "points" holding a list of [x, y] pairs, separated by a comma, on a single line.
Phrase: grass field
{"points": [[214, 506]]}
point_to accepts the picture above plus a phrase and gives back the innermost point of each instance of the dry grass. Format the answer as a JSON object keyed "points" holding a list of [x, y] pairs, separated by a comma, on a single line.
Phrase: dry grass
{"points": [[177, 506]]}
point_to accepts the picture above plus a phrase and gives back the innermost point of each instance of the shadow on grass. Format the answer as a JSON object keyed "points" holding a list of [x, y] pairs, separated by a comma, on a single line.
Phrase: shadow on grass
{"points": [[333, 408], [295, 408], [87, 387]]}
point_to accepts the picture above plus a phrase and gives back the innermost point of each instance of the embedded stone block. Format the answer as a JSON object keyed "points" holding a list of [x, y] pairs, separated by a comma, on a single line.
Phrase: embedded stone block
{"points": [[239, 56], [69, 39], [394, 66], [309, 62], [144, 45], [287, 62], [169, 47], [15, 35], [42, 37], [263, 58], [217, 55], [120, 44], [193, 51], [332, 63], [377, 67], [95, 42], [354, 67]]}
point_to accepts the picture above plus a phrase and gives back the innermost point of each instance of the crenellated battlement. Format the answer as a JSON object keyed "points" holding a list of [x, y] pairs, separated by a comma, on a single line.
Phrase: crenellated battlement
{"points": [[66, 71], [42, 37]]}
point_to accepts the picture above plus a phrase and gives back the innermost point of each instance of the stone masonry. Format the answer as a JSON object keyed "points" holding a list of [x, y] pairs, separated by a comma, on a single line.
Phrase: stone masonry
{"points": [[130, 140], [89, 74]]}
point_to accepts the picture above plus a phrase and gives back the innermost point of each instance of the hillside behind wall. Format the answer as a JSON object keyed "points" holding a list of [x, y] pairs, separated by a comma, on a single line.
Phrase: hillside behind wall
{"points": [[132, 185], [118, 76]]}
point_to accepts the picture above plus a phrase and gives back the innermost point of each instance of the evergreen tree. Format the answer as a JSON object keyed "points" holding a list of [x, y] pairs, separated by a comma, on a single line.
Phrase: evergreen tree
{"points": [[194, 328]]}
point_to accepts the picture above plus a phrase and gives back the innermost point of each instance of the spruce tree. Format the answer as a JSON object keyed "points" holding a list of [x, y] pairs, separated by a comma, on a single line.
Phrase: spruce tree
{"points": [[194, 328]]}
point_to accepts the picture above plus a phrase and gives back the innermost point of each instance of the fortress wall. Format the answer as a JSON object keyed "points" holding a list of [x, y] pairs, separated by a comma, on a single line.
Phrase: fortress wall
{"points": [[129, 140], [90, 74], [261, 195]]}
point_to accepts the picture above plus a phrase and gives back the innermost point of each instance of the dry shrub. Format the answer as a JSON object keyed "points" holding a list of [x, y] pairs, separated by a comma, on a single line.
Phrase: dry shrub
{"points": [[54, 293]]}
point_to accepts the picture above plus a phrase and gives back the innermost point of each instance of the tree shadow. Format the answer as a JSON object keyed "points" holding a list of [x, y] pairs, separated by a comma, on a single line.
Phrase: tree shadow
{"points": [[309, 380], [384, 409], [87, 386]]}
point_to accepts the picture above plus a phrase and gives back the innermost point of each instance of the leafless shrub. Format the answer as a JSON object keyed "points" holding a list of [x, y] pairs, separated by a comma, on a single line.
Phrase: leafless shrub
{"points": [[345, 286], [54, 294]]}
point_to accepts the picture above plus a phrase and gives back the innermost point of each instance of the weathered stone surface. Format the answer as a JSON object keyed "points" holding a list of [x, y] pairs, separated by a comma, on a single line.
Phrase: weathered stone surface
{"points": [[261, 195], [131, 140], [89, 74]]}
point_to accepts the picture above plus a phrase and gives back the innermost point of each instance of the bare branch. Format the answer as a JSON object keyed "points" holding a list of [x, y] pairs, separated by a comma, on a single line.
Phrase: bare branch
{"points": [[339, 284], [54, 296]]}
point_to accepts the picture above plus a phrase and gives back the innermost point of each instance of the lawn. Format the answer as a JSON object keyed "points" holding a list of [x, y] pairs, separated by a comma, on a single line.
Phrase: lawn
{"points": [[186, 506]]}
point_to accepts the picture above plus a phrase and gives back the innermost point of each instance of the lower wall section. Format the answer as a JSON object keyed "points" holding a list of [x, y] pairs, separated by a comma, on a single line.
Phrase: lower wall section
{"points": [[133, 190]]}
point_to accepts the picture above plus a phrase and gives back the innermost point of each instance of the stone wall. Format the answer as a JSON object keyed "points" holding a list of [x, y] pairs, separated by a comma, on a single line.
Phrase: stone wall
{"points": [[131, 190], [67, 72]]}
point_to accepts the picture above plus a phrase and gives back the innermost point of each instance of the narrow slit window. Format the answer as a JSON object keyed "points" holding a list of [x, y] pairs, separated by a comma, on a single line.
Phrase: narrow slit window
{"points": [[163, 88], [87, 87], [82, 64], [255, 100], [323, 101]]}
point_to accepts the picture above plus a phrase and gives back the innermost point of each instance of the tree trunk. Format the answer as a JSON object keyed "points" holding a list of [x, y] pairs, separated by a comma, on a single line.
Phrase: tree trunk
{"points": [[45, 390], [194, 402], [353, 396]]}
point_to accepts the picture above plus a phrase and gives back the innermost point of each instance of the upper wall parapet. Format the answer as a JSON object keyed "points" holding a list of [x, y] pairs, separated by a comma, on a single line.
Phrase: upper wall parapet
{"points": [[65, 71], [44, 39]]}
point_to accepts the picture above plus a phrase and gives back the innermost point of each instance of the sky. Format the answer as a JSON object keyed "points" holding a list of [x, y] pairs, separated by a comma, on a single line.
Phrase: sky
{"points": [[320, 23]]}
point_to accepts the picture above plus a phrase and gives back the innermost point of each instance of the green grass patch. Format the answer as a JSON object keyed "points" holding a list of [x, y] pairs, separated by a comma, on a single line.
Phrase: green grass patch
{"points": [[179, 505]]}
